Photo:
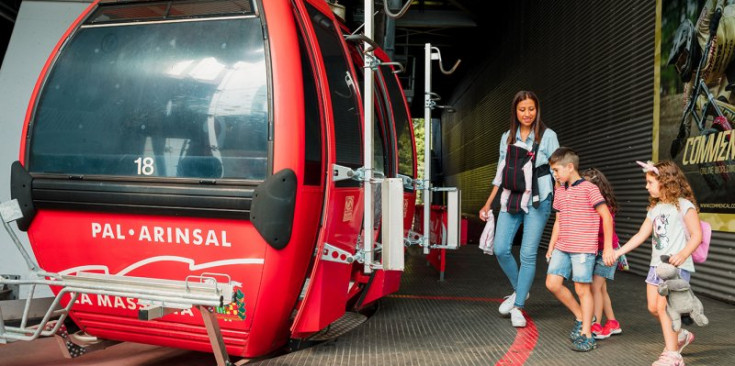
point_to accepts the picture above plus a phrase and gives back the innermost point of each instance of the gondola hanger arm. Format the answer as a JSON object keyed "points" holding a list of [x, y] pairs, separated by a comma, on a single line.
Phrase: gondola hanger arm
{"points": [[357, 38], [436, 55], [398, 65], [400, 13]]}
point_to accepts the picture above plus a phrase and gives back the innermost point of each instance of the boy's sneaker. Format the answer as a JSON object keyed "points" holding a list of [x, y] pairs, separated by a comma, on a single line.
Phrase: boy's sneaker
{"points": [[669, 358], [611, 327], [584, 344], [508, 304], [517, 318], [685, 337], [576, 329]]}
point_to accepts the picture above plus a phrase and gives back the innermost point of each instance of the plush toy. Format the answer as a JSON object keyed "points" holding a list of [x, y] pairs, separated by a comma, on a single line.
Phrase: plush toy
{"points": [[679, 295]]}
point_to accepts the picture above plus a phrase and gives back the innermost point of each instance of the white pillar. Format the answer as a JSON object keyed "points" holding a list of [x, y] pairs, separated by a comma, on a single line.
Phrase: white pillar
{"points": [[427, 146], [368, 141]]}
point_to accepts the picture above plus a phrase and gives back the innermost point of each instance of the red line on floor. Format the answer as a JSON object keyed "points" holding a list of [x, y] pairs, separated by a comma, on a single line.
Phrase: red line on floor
{"points": [[523, 344]]}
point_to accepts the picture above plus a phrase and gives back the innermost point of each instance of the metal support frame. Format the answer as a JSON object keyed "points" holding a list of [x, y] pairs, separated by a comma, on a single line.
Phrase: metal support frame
{"points": [[368, 140], [215, 336], [74, 345], [427, 147], [367, 253], [205, 292], [430, 98]]}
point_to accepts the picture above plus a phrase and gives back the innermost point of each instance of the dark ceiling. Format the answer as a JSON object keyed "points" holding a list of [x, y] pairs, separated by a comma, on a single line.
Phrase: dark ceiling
{"points": [[461, 29]]}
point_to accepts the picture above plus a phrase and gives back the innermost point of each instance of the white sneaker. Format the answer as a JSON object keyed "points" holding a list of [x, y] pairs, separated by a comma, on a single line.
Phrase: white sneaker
{"points": [[517, 318], [508, 304]]}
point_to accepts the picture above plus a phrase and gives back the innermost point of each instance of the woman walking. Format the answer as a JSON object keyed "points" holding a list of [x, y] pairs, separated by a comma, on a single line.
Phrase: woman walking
{"points": [[527, 138]]}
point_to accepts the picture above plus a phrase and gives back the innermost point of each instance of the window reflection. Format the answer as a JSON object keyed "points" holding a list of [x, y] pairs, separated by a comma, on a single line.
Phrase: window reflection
{"points": [[403, 128], [185, 99], [348, 131]]}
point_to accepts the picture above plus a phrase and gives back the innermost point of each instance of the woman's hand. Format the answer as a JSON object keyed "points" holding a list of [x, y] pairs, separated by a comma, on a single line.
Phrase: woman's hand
{"points": [[486, 208], [548, 255], [483, 213]]}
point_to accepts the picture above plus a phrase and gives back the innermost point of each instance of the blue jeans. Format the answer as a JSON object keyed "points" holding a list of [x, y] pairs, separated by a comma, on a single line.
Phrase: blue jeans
{"points": [[533, 226]]}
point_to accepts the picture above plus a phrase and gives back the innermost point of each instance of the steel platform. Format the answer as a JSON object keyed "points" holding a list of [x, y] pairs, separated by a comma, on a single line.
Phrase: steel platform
{"points": [[454, 322]]}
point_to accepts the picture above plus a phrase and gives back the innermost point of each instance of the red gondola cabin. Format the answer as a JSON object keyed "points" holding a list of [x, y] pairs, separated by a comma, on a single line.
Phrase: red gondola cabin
{"points": [[174, 138]]}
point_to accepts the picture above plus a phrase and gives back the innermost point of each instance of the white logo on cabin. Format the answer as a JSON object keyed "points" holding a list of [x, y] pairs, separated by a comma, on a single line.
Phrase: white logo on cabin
{"points": [[161, 234]]}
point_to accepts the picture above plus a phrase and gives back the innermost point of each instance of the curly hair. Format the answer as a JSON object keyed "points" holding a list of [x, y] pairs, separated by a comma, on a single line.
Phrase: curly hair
{"points": [[596, 177], [672, 185]]}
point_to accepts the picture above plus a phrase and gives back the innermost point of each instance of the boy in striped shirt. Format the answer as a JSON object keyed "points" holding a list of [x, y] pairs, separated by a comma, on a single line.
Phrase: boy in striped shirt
{"points": [[579, 205]]}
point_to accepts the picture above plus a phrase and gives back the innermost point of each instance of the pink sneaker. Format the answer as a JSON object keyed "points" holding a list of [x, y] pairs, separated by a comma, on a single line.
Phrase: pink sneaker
{"points": [[669, 358], [596, 330], [685, 337], [611, 327]]}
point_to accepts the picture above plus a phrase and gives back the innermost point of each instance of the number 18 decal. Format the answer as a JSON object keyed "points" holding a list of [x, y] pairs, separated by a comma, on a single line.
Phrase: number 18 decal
{"points": [[145, 166]]}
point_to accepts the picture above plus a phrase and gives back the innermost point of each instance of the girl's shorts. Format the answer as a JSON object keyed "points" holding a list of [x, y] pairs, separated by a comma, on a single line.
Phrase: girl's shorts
{"points": [[654, 279], [602, 270]]}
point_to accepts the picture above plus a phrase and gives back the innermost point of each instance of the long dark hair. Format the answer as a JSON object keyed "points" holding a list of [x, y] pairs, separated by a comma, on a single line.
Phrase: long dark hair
{"points": [[597, 178], [538, 126]]}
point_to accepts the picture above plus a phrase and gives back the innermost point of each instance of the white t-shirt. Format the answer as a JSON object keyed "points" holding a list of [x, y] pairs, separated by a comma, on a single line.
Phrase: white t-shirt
{"points": [[669, 231]]}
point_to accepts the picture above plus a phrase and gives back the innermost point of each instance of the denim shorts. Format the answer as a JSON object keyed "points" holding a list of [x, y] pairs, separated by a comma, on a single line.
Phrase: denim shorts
{"points": [[580, 265], [602, 270], [654, 279]]}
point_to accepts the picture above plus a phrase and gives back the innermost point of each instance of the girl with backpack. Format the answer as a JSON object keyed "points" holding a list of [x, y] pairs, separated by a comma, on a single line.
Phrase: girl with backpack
{"points": [[673, 221], [526, 139]]}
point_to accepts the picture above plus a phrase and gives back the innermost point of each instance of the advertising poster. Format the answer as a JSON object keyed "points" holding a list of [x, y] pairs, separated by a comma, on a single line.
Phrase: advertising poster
{"points": [[695, 87]]}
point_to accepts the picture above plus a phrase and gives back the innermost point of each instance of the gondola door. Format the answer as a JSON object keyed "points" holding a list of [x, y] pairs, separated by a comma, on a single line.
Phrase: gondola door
{"points": [[326, 292]]}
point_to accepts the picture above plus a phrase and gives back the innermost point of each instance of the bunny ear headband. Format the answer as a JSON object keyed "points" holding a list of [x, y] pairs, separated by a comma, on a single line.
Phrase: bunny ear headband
{"points": [[648, 167]]}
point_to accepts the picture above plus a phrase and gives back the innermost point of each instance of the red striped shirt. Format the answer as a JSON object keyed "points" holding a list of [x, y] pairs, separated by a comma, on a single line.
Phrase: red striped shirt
{"points": [[579, 222]]}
